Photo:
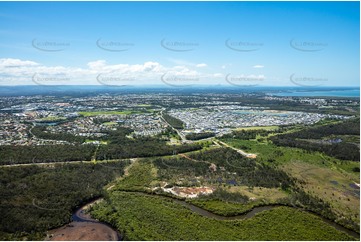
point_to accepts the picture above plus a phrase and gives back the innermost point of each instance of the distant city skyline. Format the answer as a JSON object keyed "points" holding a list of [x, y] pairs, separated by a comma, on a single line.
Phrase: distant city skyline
{"points": [[247, 44]]}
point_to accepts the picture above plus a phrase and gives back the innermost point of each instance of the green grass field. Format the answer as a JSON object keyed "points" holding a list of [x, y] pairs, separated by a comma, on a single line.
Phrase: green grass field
{"points": [[96, 113], [330, 185], [259, 128], [266, 151], [110, 123], [102, 142], [52, 118]]}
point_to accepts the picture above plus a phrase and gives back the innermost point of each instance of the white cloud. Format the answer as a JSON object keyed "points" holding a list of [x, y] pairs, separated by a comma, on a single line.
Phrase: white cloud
{"points": [[147, 67], [258, 66], [99, 64], [152, 67], [201, 65], [16, 63], [100, 72], [22, 72]]}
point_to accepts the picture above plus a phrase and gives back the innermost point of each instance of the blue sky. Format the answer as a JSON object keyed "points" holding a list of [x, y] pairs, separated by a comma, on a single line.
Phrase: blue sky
{"points": [[180, 43]]}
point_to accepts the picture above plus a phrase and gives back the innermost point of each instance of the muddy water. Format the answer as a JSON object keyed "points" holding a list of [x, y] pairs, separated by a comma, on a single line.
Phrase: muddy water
{"points": [[84, 228]]}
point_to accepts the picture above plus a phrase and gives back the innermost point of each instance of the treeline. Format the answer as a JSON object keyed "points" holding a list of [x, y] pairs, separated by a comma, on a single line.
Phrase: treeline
{"points": [[45, 153], [348, 127], [342, 150], [300, 198], [247, 171], [42, 133], [36, 199], [198, 136], [171, 167], [120, 146], [247, 134], [142, 148], [118, 136], [231, 169], [176, 123]]}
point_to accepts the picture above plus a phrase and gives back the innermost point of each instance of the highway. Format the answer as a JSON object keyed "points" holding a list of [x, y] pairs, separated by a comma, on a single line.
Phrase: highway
{"points": [[184, 140]]}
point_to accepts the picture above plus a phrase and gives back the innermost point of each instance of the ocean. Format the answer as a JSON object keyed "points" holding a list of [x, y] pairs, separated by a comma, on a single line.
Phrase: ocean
{"points": [[324, 93]]}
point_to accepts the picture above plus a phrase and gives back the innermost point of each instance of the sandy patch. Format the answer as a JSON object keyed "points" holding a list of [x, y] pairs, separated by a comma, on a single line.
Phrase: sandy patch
{"points": [[83, 231]]}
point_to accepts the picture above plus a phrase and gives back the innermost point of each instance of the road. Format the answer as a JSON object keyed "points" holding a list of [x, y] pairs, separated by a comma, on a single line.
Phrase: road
{"points": [[184, 140], [217, 142], [59, 162], [242, 152], [92, 161]]}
